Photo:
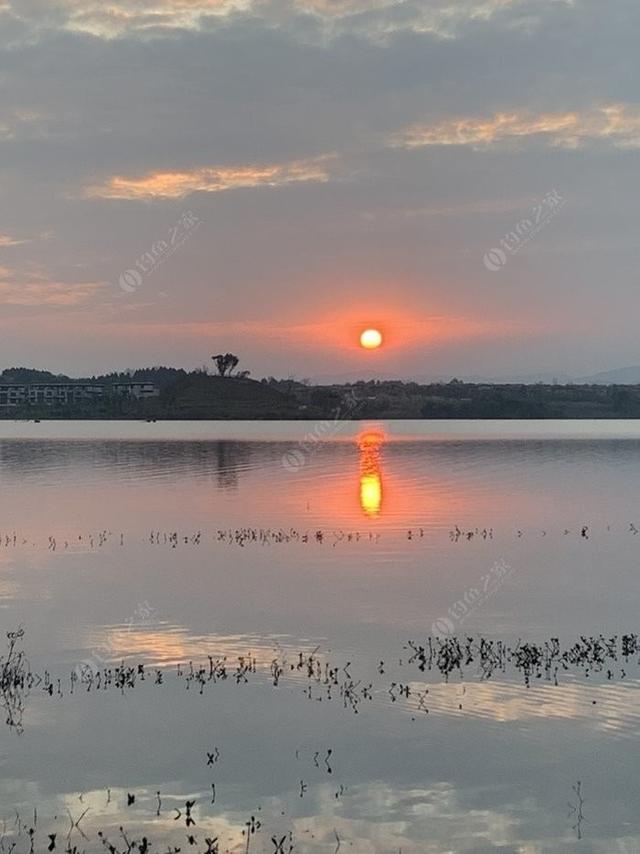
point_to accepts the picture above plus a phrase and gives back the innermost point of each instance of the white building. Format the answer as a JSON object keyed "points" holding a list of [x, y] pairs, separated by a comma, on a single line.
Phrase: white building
{"points": [[12, 395]]}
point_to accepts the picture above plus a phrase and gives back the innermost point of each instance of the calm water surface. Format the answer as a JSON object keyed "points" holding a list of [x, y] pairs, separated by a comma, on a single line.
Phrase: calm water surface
{"points": [[310, 571]]}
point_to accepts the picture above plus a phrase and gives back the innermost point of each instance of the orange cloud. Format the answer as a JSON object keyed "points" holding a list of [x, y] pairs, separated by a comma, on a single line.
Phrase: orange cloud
{"points": [[126, 16], [212, 179], [56, 294], [615, 123], [7, 240], [119, 17]]}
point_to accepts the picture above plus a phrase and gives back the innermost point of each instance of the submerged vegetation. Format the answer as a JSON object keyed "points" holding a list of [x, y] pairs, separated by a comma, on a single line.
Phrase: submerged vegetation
{"points": [[251, 535], [322, 678], [14, 678], [146, 820]]}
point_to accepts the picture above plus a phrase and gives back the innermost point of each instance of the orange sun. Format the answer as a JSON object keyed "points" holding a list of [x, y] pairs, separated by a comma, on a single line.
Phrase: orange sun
{"points": [[371, 339]]}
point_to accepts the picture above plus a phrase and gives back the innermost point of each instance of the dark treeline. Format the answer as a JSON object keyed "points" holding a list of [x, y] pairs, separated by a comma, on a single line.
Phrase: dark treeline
{"points": [[199, 394], [160, 375], [456, 399]]}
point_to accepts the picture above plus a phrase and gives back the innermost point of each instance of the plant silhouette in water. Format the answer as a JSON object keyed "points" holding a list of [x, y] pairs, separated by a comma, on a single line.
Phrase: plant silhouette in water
{"points": [[14, 672], [575, 809], [123, 842]]}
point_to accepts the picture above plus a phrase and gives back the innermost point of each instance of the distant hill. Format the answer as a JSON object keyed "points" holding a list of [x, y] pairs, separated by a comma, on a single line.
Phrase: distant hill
{"points": [[197, 395], [621, 376], [203, 396], [428, 379], [161, 376], [20, 376]]}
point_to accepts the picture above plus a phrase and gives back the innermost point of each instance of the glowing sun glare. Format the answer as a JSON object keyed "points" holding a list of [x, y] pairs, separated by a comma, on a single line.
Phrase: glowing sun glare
{"points": [[369, 445], [371, 339]]}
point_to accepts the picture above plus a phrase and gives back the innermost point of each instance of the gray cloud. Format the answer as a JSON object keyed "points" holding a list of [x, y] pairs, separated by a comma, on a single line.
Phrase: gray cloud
{"points": [[405, 98]]}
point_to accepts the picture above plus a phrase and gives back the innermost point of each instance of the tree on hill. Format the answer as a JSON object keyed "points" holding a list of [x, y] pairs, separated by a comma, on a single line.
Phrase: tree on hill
{"points": [[225, 363], [30, 375], [160, 375]]}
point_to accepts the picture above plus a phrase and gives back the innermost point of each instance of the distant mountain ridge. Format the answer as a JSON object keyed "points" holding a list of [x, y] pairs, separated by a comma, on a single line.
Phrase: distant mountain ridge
{"points": [[164, 376], [620, 376]]}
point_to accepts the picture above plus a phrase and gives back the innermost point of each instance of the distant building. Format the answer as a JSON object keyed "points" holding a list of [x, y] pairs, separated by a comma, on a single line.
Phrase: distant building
{"points": [[141, 391], [12, 395]]}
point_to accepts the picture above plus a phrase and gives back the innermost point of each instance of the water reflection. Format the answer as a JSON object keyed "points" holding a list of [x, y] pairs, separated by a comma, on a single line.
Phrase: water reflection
{"points": [[79, 461], [490, 766], [369, 445]]}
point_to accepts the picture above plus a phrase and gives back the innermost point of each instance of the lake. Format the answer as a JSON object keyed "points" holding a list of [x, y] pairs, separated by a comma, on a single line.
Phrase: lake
{"points": [[276, 637]]}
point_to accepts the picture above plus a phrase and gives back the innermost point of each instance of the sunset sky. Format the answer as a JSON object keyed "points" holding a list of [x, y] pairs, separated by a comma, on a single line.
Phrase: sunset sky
{"points": [[301, 170]]}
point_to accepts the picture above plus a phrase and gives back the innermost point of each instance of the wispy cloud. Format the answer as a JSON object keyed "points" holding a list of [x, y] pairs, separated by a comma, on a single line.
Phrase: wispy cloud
{"points": [[383, 17], [7, 240], [480, 207], [617, 124], [16, 291], [367, 17], [212, 179], [25, 124], [443, 8], [120, 17], [343, 8], [110, 20], [379, 20], [51, 294]]}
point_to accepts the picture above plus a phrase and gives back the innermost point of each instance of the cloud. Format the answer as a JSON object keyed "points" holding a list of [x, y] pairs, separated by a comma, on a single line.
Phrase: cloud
{"points": [[339, 8], [44, 293], [468, 208], [7, 240], [23, 124], [368, 18], [51, 294], [618, 124], [122, 17], [381, 18], [162, 98], [212, 179], [443, 9]]}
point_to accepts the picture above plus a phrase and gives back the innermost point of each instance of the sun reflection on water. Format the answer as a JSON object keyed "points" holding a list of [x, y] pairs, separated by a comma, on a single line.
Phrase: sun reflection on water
{"points": [[371, 492]]}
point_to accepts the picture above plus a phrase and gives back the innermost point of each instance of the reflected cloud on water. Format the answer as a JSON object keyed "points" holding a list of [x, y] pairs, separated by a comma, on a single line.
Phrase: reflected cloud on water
{"points": [[495, 774]]}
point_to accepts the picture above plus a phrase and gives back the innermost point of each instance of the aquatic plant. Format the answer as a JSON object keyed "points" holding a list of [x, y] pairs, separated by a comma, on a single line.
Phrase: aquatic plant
{"points": [[14, 669]]}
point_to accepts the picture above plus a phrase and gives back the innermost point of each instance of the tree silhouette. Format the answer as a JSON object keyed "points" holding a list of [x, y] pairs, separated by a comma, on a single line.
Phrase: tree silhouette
{"points": [[225, 363]]}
